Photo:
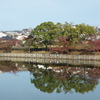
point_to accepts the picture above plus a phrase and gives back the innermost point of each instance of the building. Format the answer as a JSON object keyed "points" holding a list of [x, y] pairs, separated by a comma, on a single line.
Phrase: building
{"points": [[2, 34]]}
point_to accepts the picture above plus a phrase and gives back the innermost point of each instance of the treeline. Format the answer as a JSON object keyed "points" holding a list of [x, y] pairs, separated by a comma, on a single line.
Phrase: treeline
{"points": [[61, 37]]}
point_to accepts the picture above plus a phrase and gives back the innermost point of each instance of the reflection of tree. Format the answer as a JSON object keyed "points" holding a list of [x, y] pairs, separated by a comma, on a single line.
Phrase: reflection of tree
{"points": [[79, 84], [66, 79], [61, 78], [45, 81], [7, 66]]}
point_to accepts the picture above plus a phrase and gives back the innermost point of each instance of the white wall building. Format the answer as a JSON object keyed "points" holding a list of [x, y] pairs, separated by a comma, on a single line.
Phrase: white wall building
{"points": [[21, 37], [2, 34]]}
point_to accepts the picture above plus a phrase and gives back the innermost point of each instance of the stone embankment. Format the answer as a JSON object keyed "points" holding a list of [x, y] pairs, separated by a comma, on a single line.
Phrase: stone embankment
{"points": [[52, 56]]}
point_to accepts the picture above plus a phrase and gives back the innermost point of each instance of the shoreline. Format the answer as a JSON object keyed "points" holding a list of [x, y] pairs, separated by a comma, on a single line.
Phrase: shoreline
{"points": [[51, 56], [52, 61]]}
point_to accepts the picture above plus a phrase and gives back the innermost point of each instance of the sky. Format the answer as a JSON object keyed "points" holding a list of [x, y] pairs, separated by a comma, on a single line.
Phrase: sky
{"points": [[22, 14]]}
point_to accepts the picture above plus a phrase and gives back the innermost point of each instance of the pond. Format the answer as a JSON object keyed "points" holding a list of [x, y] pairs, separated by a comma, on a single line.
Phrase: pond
{"points": [[44, 81]]}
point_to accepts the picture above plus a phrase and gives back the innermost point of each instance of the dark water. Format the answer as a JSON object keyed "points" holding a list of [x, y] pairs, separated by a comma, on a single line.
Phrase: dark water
{"points": [[34, 81]]}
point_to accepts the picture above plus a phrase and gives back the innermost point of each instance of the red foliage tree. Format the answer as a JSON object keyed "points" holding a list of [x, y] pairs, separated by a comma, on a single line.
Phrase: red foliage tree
{"points": [[62, 44], [6, 45], [94, 45]]}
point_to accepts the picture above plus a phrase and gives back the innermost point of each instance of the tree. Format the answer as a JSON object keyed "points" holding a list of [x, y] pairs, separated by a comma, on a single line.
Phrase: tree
{"points": [[46, 31], [85, 30], [93, 45], [61, 36], [67, 36], [6, 45]]}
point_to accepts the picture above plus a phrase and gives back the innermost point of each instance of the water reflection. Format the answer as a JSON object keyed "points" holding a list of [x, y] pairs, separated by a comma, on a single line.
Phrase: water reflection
{"points": [[57, 77], [65, 78]]}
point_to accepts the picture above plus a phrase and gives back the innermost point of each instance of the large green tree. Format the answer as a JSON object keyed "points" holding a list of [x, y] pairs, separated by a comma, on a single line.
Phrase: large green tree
{"points": [[85, 30], [61, 36], [75, 33], [46, 31], [67, 35]]}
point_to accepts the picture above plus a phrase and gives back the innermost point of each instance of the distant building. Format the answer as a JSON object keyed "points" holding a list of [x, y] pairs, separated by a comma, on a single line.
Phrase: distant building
{"points": [[27, 31], [30, 37], [7, 38], [97, 29], [21, 37], [2, 34]]}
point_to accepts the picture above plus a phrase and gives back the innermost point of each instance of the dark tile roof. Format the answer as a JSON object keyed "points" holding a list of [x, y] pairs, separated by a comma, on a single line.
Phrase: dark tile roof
{"points": [[7, 38]]}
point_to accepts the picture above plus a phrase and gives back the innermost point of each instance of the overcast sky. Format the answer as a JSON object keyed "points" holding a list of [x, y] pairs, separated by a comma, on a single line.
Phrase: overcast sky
{"points": [[21, 14]]}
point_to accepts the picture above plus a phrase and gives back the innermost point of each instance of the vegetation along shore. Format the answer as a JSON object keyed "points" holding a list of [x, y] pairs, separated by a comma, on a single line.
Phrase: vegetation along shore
{"points": [[56, 38]]}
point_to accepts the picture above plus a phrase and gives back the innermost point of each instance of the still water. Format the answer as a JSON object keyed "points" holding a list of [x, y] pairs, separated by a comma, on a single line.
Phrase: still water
{"points": [[43, 81]]}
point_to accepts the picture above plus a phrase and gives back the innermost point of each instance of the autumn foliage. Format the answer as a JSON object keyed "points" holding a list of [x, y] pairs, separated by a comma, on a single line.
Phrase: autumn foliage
{"points": [[6, 45]]}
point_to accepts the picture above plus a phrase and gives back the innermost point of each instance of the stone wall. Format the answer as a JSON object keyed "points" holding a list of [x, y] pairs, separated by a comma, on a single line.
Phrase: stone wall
{"points": [[52, 56]]}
